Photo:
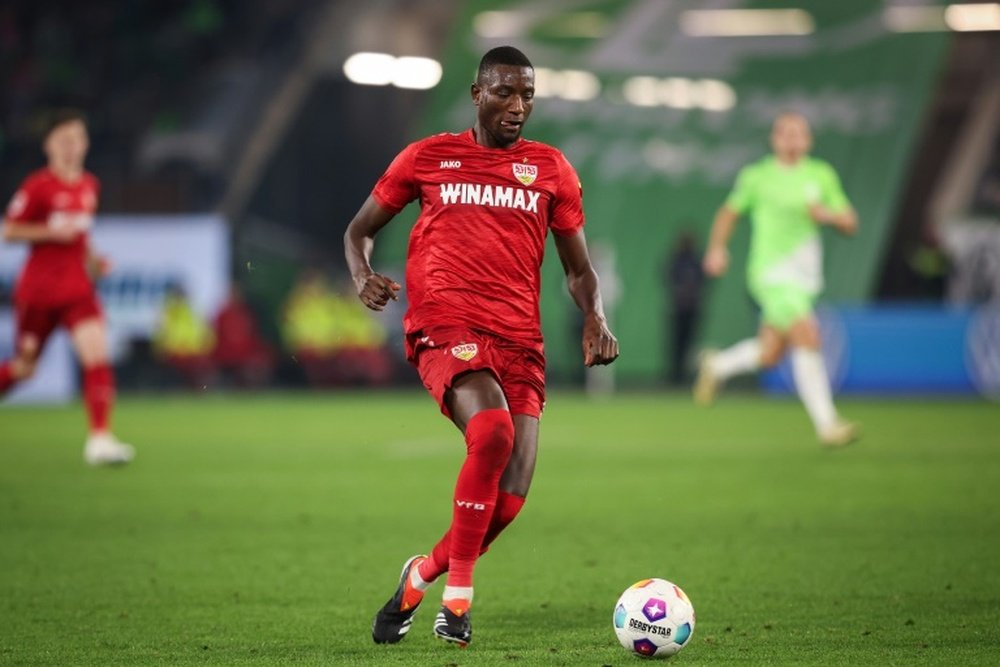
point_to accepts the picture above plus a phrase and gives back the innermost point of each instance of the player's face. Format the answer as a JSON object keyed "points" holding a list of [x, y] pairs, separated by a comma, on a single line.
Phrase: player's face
{"points": [[67, 144], [504, 97], [791, 138]]}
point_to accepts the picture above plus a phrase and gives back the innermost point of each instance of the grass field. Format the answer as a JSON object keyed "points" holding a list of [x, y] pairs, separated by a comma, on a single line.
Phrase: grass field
{"points": [[267, 530]]}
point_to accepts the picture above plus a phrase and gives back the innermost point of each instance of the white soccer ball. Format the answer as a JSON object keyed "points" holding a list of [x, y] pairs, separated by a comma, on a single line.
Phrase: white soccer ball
{"points": [[654, 618]]}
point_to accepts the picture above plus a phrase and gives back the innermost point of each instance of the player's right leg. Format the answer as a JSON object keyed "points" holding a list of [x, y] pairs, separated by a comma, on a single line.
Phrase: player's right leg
{"points": [[478, 406], [514, 485], [470, 395]]}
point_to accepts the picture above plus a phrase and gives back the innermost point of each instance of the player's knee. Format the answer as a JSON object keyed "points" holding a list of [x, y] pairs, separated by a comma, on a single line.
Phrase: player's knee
{"points": [[490, 433]]}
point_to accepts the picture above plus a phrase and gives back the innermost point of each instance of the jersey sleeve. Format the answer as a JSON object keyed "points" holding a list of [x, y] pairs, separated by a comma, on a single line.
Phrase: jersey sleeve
{"points": [[741, 198], [833, 195], [398, 185], [567, 208], [27, 204]]}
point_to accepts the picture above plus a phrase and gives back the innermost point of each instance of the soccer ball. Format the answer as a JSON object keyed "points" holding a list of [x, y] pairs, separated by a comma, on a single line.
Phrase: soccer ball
{"points": [[654, 618]]}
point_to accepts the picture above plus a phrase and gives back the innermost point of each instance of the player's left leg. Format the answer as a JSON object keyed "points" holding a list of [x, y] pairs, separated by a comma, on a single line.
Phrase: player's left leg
{"points": [[90, 341], [813, 384]]}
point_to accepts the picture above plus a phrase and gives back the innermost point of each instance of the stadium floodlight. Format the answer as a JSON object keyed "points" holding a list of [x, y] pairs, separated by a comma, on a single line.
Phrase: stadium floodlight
{"points": [[911, 18], [578, 85], [416, 73], [548, 82], [973, 17], [746, 22], [715, 95], [642, 91], [370, 69], [676, 93]]}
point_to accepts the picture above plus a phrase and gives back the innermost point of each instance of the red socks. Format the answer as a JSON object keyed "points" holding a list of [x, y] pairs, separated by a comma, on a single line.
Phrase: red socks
{"points": [[489, 438], [98, 395], [507, 508], [6, 377], [98, 392]]}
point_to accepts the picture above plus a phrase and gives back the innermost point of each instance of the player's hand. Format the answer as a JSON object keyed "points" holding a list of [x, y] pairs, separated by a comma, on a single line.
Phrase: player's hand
{"points": [[600, 347], [821, 214], [716, 261], [98, 266], [375, 290]]}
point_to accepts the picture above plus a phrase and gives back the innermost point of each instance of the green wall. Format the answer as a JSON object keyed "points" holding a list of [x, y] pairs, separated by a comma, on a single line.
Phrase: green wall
{"points": [[650, 172]]}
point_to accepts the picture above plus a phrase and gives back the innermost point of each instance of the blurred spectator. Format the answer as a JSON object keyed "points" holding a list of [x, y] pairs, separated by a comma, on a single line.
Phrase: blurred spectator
{"points": [[333, 337], [929, 266], [184, 341], [241, 353], [685, 279]]}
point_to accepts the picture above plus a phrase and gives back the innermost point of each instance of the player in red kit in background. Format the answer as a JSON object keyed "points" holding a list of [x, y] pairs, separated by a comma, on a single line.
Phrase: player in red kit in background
{"points": [[488, 198], [53, 211]]}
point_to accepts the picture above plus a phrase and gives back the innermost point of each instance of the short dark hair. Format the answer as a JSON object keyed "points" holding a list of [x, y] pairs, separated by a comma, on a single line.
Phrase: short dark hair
{"points": [[61, 117], [502, 55]]}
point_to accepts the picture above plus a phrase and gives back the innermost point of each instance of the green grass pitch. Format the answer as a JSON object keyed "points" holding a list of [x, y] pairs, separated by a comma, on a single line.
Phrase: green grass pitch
{"points": [[267, 530]]}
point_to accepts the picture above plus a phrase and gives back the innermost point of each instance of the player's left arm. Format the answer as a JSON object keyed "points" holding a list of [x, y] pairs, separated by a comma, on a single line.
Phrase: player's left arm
{"points": [[834, 209], [97, 265], [600, 347]]}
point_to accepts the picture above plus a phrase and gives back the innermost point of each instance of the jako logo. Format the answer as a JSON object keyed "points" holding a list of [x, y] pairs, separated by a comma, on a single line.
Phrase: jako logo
{"points": [[469, 505], [451, 164]]}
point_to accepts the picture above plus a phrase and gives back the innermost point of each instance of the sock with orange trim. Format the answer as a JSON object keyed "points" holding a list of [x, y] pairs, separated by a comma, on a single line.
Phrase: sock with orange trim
{"points": [[489, 438], [507, 508], [458, 599]]}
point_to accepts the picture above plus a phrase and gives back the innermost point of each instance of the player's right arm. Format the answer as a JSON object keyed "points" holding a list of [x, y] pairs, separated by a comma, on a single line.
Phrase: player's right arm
{"points": [[394, 190], [717, 253], [737, 203], [374, 289]]}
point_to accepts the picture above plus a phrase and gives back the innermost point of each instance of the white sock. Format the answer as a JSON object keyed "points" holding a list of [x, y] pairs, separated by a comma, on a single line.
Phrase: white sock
{"points": [[457, 593], [813, 386], [743, 357], [416, 581]]}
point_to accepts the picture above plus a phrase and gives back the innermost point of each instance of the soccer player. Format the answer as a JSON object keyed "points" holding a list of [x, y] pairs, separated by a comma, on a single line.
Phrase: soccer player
{"points": [[488, 198], [788, 196], [52, 212]]}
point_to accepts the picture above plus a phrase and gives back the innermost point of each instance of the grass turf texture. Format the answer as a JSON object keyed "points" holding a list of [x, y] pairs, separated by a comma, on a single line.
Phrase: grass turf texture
{"points": [[267, 530]]}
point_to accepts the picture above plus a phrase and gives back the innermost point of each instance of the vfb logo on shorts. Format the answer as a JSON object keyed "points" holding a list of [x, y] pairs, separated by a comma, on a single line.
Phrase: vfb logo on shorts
{"points": [[526, 173], [465, 351]]}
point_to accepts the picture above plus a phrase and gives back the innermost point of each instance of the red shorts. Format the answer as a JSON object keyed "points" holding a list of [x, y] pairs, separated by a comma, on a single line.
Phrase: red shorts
{"points": [[442, 354], [40, 320]]}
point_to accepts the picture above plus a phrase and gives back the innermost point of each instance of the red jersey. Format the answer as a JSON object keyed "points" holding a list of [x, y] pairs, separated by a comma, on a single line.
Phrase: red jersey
{"points": [[476, 250], [55, 272]]}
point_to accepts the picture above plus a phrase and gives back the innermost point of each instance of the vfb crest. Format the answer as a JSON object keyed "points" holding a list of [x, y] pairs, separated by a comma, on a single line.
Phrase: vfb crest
{"points": [[465, 351], [526, 173]]}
